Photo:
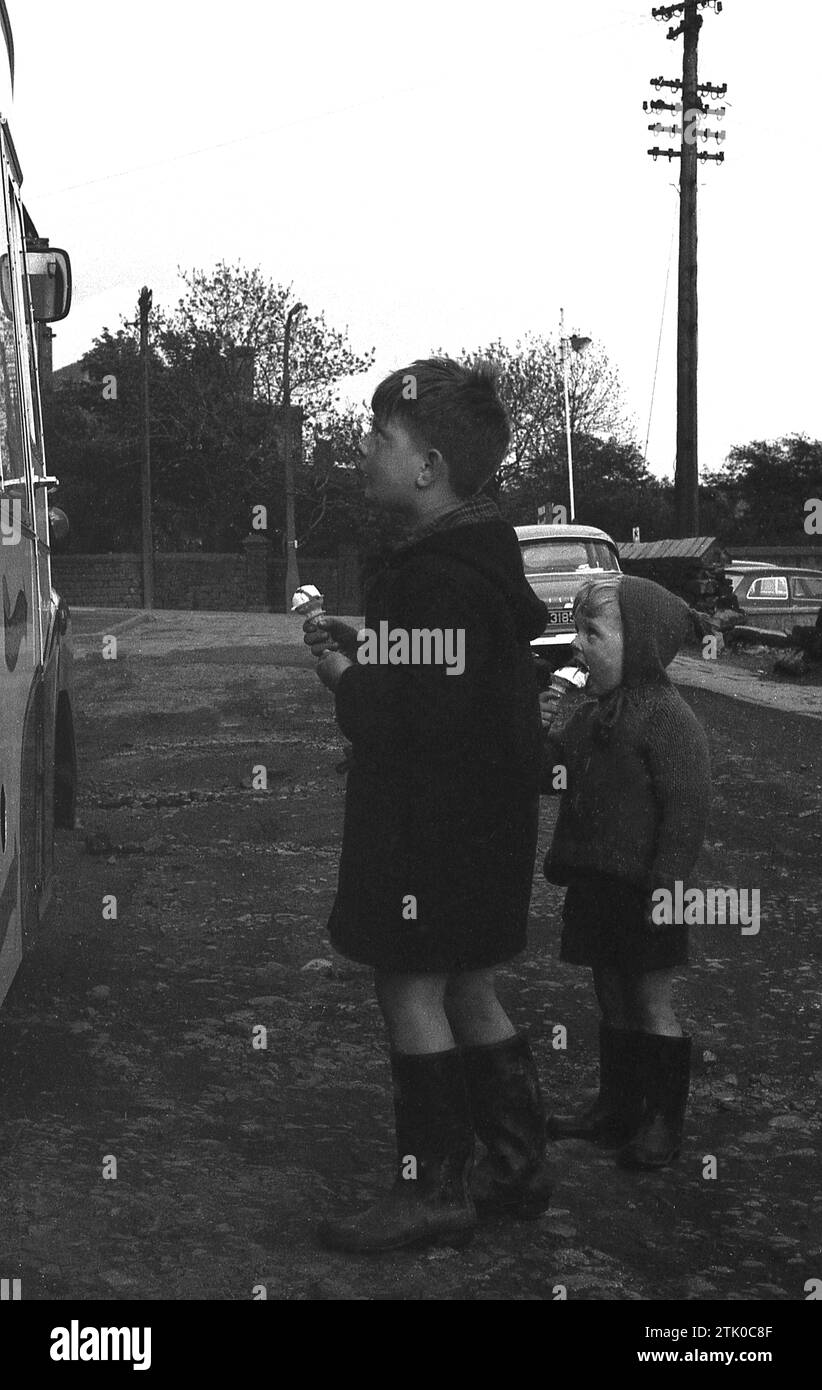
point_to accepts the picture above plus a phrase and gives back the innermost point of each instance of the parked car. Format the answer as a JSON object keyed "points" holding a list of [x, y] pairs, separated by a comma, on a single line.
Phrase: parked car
{"points": [[557, 560], [779, 597]]}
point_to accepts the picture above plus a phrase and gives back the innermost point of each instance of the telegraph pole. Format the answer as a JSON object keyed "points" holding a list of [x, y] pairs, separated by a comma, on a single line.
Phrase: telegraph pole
{"points": [[692, 130], [144, 303], [686, 479]]}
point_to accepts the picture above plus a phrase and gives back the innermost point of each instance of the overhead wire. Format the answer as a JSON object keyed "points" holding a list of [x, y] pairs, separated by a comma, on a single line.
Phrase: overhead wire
{"points": [[661, 327], [626, 22], [238, 140]]}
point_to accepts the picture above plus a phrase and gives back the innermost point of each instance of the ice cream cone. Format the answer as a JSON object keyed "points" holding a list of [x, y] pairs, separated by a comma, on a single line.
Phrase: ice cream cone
{"points": [[566, 692], [568, 678], [307, 602]]}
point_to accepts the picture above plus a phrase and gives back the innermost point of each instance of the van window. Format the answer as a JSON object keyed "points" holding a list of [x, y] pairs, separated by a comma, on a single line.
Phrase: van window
{"points": [[772, 586], [567, 556], [34, 418], [12, 395], [807, 586]]}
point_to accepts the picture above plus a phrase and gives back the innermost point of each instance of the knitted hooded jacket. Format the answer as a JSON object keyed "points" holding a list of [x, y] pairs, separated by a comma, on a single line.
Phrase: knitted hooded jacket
{"points": [[638, 772]]}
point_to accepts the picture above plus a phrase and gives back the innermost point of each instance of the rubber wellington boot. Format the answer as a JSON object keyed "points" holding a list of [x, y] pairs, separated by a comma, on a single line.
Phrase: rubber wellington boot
{"points": [[429, 1202], [616, 1114], [514, 1177], [666, 1068]]}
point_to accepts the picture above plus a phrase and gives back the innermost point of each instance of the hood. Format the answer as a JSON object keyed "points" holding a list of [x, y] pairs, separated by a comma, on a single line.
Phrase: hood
{"points": [[492, 549], [655, 623]]}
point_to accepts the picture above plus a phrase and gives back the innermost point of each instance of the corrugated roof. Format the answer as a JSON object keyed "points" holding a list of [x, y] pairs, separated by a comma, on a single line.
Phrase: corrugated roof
{"points": [[688, 548]]}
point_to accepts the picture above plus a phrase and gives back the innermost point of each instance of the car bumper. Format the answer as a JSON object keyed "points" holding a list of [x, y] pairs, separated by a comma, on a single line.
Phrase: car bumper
{"points": [[561, 637]]}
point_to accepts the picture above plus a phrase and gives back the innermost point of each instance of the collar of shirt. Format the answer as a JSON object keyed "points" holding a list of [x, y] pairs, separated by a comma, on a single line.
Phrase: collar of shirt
{"points": [[474, 509]]}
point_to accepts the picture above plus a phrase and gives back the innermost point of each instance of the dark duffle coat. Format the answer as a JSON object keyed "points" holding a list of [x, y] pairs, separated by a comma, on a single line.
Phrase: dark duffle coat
{"points": [[441, 810]]}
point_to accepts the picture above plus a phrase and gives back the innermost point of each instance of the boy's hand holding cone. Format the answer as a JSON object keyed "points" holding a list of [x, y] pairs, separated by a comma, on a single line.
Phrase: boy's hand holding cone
{"points": [[322, 632], [331, 640]]}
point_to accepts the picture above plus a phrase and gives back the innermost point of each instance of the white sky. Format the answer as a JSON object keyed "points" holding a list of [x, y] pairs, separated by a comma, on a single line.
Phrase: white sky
{"points": [[441, 173]]}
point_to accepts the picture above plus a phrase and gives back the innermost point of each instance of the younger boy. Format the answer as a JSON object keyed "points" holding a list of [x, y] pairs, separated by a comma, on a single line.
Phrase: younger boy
{"points": [[631, 821], [441, 808]]}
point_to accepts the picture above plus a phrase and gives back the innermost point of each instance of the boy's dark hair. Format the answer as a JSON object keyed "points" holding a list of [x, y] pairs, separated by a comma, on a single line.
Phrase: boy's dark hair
{"points": [[454, 409]]}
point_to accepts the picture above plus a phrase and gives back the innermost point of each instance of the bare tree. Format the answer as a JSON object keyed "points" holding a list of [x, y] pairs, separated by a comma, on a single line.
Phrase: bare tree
{"points": [[532, 388]]}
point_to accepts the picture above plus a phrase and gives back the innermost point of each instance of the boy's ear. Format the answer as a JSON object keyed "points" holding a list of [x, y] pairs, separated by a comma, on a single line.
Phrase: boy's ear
{"points": [[434, 468]]}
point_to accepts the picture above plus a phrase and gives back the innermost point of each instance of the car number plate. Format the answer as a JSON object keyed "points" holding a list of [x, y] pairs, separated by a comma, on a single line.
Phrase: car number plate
{"points": [[561, 618]]}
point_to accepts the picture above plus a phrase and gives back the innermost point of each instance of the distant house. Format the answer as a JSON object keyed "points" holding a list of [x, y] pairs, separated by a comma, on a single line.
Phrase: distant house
{"points": [[71, 375]]}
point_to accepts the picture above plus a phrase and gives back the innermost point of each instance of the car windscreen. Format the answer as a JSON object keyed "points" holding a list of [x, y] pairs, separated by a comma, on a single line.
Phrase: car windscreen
{"points": [[567, 556]]}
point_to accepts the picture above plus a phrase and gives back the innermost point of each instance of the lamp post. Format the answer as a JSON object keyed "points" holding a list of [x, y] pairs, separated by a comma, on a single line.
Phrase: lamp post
{"points": [[147, 543], [577, 345], [292, 575]]}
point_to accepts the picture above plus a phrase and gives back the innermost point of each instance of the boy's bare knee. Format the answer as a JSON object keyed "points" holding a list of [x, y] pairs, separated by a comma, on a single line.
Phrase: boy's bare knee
{"points": [[396, 992], [471, 1001], [471, 986], [644, 1016], [471, 995]]}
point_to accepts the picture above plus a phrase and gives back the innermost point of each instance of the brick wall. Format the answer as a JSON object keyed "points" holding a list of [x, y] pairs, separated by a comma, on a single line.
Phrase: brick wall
{"points": [[249, 582], [97, 581]]}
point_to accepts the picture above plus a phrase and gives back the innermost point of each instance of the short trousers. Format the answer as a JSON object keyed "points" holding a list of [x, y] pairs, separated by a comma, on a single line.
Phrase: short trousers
{"points": [[604, 925]]}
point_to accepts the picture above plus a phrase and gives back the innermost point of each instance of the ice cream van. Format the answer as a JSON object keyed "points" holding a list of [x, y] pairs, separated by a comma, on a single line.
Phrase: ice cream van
{"points": [[37, 757]]}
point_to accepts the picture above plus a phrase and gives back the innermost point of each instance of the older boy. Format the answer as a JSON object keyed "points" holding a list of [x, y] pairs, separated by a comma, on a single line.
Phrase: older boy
{"points": [[441, 808]]}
